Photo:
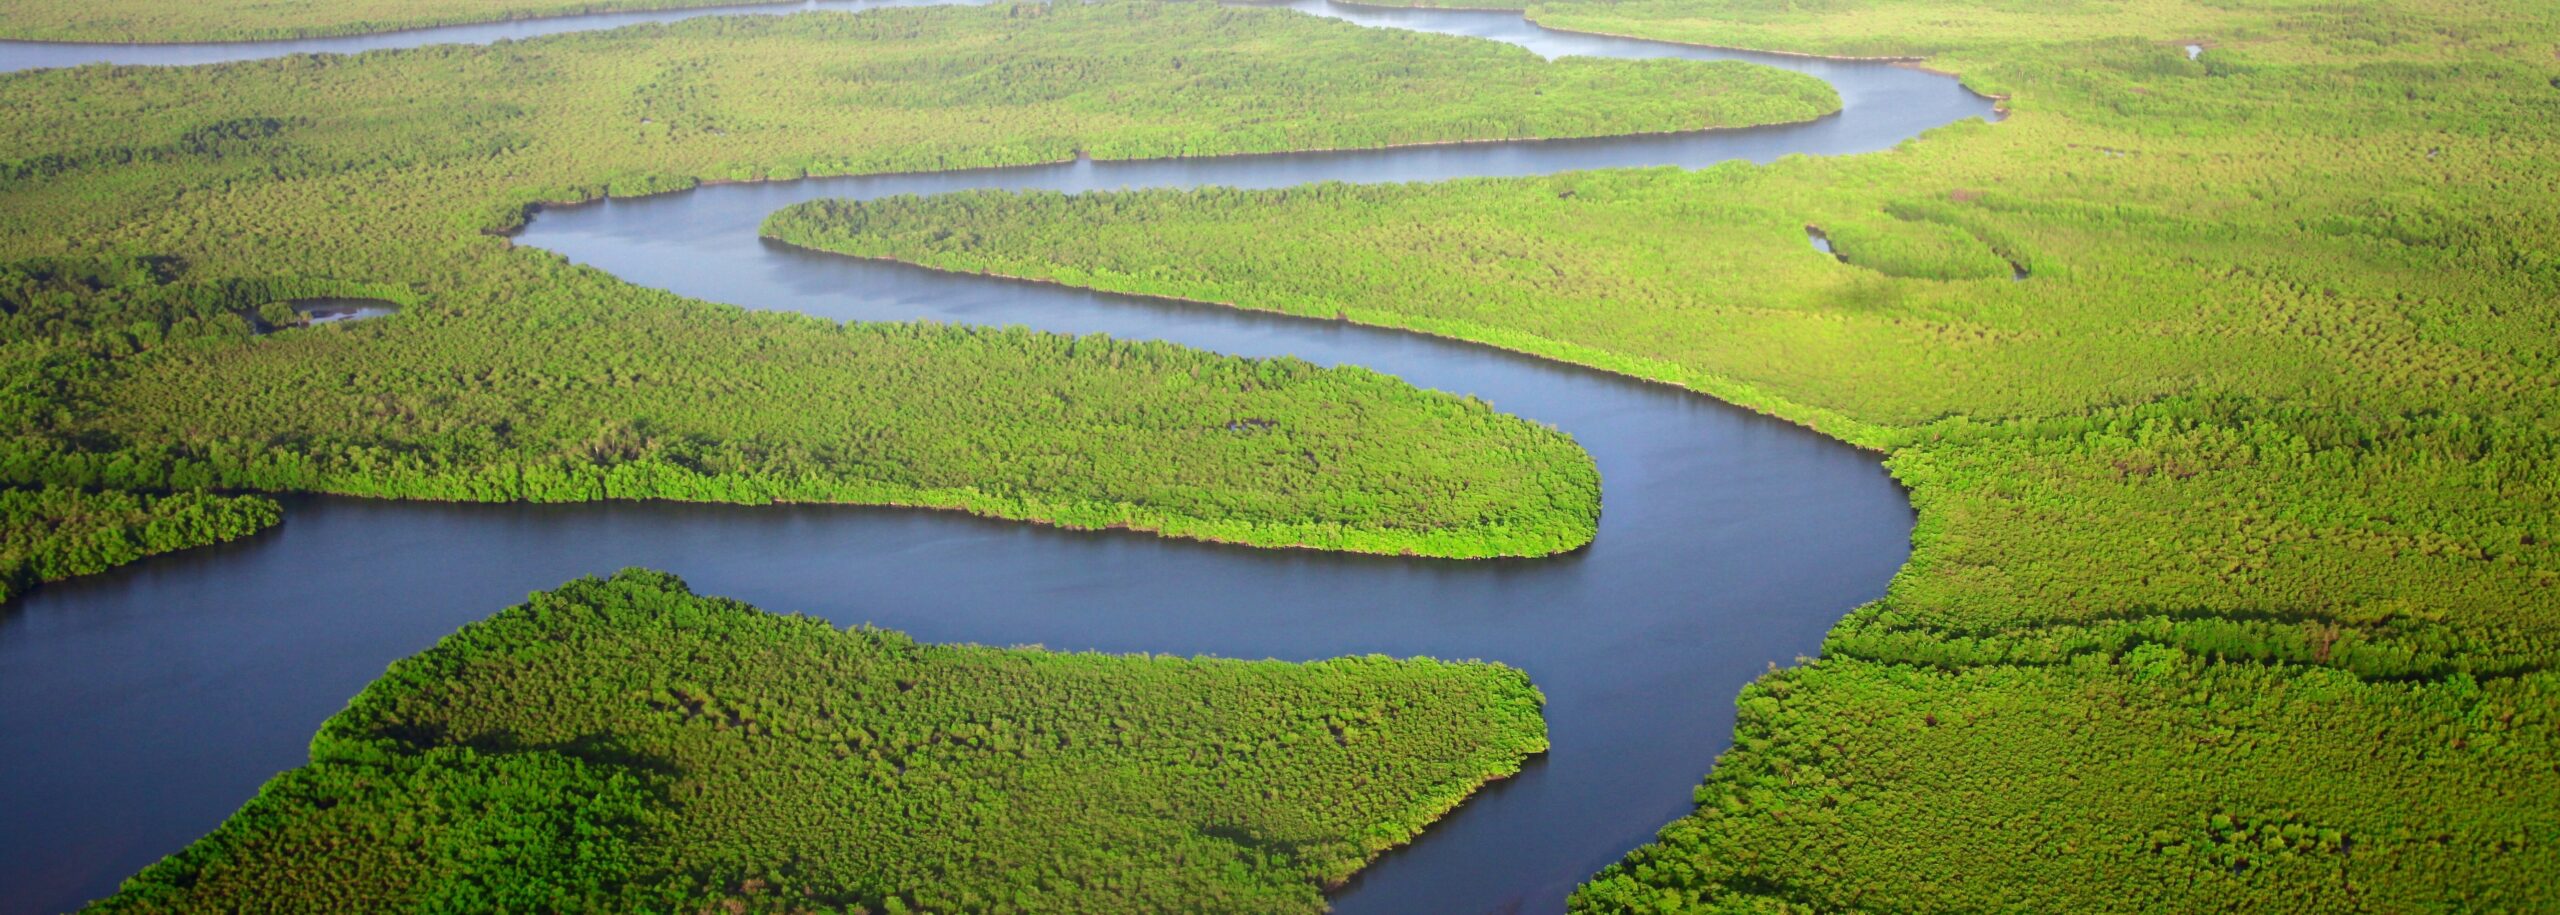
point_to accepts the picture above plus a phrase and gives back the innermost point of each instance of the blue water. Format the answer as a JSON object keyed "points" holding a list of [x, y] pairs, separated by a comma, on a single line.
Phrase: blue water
{"points": [[145, 704]]}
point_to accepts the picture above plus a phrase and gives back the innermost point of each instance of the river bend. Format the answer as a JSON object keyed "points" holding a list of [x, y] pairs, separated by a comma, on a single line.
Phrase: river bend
{"points": [[141, 706]]}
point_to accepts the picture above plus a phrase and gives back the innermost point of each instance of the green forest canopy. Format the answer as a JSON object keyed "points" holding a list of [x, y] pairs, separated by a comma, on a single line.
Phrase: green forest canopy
{"points": [[254, 20], [2235, 584], [52, 533], [623, 745], [142, 208]]}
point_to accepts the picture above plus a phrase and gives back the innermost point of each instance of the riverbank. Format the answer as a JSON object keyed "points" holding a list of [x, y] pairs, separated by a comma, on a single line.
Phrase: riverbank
{"points": [[490, 328], [754, 757], [2228, 488]]}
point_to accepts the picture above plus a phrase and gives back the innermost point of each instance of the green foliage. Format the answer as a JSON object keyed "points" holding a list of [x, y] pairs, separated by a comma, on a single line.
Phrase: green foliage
{"points": [[51, 534], [1914, 248], [623, 745], [435, 829], [2272, 418], [2156, 781], [258, 20], [1080, 432], [149, 208]]}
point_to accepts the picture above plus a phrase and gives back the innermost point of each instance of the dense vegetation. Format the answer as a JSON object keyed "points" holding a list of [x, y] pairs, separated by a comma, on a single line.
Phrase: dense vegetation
{"points": [[253, 20], [51, 534], [623, 745], [2237, 579], [153, 215], [1080, 432]]}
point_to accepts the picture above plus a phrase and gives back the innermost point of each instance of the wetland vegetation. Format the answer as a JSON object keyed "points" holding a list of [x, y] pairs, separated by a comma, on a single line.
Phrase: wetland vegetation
{"points": [[257, 20], [625, 745], [162, 226], [152, 215], [53, 533], [2235, 584]]}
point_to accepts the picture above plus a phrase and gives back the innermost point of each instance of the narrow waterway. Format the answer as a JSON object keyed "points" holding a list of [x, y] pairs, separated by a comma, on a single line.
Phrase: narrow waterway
{"points": [[29, 55], [143, 705]]}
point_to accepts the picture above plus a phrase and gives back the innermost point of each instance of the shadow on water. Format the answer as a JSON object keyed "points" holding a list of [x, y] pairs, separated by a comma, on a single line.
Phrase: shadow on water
{"points": [[144, 704]]}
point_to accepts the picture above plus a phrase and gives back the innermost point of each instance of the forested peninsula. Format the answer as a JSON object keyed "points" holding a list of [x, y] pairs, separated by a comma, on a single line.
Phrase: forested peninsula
{"points": [[2221, 379], [53, 533], [150, 216], [624, 745]]}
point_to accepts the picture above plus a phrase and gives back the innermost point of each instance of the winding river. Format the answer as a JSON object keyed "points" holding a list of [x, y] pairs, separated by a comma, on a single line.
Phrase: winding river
{"points": [[143, 705]]}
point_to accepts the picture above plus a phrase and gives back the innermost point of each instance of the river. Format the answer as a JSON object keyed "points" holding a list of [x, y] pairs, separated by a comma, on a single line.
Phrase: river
{"points": [[143, 705]]}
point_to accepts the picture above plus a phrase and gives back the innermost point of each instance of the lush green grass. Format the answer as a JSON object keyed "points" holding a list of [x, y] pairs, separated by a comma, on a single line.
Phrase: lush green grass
{"points": [[52, 533], [2243, 506], [154, 200], [252, 20], [624, 745]]}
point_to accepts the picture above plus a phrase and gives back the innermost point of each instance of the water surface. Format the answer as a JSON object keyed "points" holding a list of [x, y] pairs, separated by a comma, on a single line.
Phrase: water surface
{"points": [[29, 55], [145, 704], [342, 310]]}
